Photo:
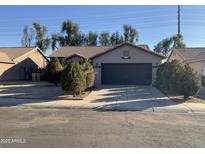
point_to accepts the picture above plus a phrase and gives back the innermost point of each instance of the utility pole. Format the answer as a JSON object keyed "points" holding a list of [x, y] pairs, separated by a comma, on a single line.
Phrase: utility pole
{"points": [[178, 19]]}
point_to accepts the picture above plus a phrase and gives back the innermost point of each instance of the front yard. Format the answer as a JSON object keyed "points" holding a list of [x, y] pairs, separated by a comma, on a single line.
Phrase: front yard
{"points": [[102, 98], [36, 90], [200, 98]]}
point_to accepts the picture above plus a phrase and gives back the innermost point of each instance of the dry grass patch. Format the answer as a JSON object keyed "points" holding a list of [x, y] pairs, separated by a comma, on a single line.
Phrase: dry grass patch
{"points": [[69, 96], [180, 99], [37, 90]]}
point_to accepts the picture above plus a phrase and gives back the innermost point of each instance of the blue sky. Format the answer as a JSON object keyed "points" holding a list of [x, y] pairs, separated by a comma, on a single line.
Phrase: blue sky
{"points": [[152, 22]]}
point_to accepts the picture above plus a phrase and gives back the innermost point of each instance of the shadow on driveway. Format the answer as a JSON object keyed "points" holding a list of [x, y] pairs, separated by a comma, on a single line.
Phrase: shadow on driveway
{"points": [[136, 105], [30, 90], [131, 98], [103, 98], [18, 93]]}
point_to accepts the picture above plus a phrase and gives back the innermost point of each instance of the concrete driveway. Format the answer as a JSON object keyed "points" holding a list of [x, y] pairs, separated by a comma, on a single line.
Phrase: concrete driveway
{"points": [[104, 98], [134, 98]]}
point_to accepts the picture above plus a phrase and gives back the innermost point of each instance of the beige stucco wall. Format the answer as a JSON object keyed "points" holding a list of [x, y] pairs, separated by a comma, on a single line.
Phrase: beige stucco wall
{"points": [[4, 66], [115, 56], [36, 57], [12, 72], [198, 67], [175, 56]]}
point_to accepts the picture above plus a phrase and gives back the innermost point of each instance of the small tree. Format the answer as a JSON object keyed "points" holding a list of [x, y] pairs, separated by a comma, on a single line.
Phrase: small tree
{"points": [[89, 73], [116, 38], [73, 78], [41, 39], [174, 75], [169, 76], [66, 77], [28, 36], [191, 82], [160, 80], [92, 38], [130, 33], [104, 39], [167, 44], [178, 78], [53, 71]]}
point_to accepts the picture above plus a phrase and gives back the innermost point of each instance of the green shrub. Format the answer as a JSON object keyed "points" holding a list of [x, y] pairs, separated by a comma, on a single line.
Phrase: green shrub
{"points": [[89, 73], [66, 77], [160, 80], [53, 71], [168, 75], [190, 82], [174, 77], [73, 78], [62, 62]]}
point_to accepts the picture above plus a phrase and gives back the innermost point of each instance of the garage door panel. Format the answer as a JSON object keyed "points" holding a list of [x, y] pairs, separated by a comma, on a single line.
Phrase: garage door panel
{"points": [[127, 73]]}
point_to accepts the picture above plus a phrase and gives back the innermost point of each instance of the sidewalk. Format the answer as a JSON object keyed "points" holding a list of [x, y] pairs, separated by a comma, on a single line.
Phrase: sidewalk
{"points": [[83, 104]]}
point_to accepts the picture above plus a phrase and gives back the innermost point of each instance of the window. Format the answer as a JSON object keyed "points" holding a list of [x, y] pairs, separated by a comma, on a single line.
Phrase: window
{"points": [[126, 54]]}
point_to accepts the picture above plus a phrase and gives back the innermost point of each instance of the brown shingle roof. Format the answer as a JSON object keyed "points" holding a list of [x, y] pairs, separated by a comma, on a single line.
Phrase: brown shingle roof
{"points": [[88, 51], [4, 58], [93, 51], [15, 52], [191, 53]]}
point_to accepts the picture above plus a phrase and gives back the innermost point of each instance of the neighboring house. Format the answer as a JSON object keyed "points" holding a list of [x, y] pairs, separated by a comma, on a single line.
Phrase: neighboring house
{"points": [[17, 63], [195, 57], [120, 64]]}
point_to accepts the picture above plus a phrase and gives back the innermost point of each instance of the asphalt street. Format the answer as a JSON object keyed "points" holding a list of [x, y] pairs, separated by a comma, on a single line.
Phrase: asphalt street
{"points": [[31, 127]]}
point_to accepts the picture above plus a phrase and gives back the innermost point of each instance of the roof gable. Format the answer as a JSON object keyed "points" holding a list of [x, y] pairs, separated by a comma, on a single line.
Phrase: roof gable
{"points": [[84, 51], [190, 54], [91, 52], [13, 53], [4, 58], [142, 48]]}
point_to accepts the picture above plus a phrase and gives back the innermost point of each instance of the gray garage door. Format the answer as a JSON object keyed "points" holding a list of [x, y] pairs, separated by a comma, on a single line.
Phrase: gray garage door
{"points": [[127, 74]]}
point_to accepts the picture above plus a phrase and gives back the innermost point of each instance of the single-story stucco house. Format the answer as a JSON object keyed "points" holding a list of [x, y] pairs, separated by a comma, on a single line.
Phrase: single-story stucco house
{"points": [[195, 57], [17, 63], [125, 63]]}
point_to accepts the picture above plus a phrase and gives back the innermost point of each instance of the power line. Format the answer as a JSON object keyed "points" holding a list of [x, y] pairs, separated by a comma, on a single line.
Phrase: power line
{"points": [[103, 25], [125, 16], [142, 25], [88, 24], [160, 11]]}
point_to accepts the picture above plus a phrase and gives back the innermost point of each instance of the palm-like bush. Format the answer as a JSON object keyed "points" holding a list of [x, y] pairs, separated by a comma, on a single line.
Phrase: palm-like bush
{"points": [[53, 71], [73, 78], [178, 78], [191, 82], [89, 73]]}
